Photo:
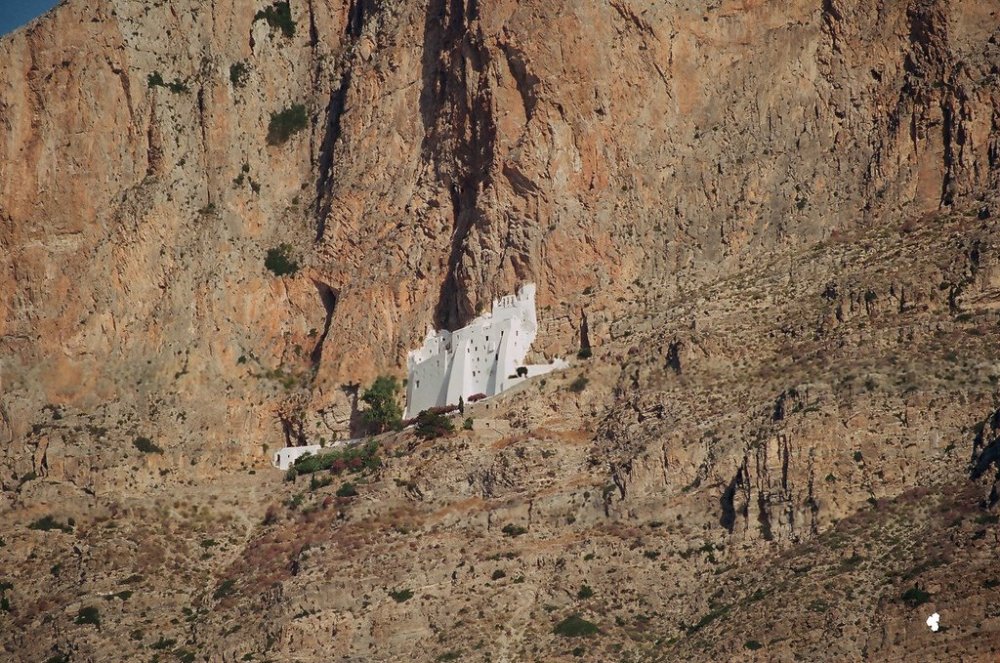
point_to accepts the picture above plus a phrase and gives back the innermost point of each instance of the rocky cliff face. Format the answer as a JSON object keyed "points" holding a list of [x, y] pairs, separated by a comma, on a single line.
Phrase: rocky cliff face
{"points": [[779, 222], [453, 150]]}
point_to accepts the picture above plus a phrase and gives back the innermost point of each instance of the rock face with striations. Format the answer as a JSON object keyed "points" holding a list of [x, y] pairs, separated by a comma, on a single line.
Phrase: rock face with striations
{"points": [[219, 219], [452, 150]]}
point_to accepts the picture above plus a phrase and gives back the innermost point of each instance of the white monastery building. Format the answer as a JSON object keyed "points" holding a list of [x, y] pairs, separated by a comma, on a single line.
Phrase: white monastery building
{"points": [[480, 358]]}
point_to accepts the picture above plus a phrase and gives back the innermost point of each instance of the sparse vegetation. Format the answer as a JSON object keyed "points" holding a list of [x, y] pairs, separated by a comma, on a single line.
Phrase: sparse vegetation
{"points": [[146, 446], [575, 626], [163, 643], [586, 591], [915, 596], [752, 645], [286, 123], [513, 530], [176, 86], [585, 353], [432, 425], [401, 595], [88, 615], [383, 410], [281, 261], [467, 424], [47, 523], [224, 590], [278, 16], [356, 458], [239, 72], [347, 490], [579, 384]]}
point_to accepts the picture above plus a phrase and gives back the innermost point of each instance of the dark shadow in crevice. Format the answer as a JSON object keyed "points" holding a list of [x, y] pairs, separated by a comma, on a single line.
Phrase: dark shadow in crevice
{"points": [[329, 298], [334, 113]]}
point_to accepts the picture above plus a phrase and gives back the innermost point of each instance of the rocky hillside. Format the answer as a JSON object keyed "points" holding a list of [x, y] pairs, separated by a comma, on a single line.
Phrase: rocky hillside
{"points": [[219, 219]]}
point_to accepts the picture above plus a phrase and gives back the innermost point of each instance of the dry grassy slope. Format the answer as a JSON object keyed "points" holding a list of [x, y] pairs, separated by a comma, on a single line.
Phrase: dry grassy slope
{"points": [[806, 465]]}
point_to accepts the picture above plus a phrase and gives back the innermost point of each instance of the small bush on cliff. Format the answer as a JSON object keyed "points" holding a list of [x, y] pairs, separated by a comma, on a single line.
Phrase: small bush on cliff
{"points": [[155, 79], [575, 626], [432, 425], [280, 260], [278, 15], [239, 72], [401, 595], [224, 590], [146, 446], [286, 124], [347, 490], [579, 384], [88, 615], [915, 596], [383, 409], [513, 530], [47, 523]]}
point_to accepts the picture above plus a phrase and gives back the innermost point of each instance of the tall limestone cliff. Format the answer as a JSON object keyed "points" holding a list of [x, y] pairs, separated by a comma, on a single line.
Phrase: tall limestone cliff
{"points": [[219, 219], [451, 150]]}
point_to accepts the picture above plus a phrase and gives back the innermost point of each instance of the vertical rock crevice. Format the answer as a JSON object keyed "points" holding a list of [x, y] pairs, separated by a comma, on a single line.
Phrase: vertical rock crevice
{"points": [[459, 139], [334, 113]]}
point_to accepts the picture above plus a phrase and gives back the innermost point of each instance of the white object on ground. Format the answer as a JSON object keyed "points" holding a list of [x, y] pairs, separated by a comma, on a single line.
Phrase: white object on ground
{"points": [[933, 621]]}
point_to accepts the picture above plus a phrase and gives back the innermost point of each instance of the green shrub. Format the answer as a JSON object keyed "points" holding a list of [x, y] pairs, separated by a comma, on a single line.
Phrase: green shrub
{"points": [[155, 79], [432, 425], [239, 72], [452, 655], [184, 655], [752, 645], [575, 626], [585, 592], [467, 424], [915, 596], [285, 124], [280, 260], [177, 86], [585, 353], [163, 643], [278, 15], [857, 456], [498, 574], [224, 590], [347, 490], [58, 658], [88, 615], [146, 446], [513, 530], [47, 523], [579, 384], [358, 458], [315, 483], [383, 410], [401, 595]]}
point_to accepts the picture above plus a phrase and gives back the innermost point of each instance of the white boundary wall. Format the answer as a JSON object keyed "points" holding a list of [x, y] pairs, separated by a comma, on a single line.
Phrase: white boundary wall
{"points": [[480, 358]]}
